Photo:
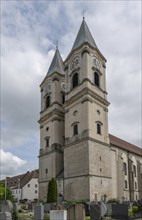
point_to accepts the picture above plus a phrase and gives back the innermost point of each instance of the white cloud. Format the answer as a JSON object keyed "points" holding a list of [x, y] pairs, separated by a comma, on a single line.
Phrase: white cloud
{"points": [[10, 164]]}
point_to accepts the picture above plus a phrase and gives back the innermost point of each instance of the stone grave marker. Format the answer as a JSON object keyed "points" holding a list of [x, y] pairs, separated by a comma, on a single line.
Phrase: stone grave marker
{"points": [[38, 212], [58, 215], [103, 209], [30, 206], [75, 212], [6, 206], [119, 211], [95, 211], [5, 216]]}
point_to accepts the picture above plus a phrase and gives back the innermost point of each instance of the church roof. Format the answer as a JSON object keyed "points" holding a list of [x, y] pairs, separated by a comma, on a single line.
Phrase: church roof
{"points": [[125, 145], [84, 36], [56, 64]]}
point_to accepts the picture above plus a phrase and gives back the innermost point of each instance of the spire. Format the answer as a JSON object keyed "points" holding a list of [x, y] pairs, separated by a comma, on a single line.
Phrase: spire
{"points": [[56, 64], [84, 35]]}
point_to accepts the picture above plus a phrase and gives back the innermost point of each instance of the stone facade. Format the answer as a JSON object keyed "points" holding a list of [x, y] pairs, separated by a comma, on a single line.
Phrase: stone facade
{"points": [[75, 145]]}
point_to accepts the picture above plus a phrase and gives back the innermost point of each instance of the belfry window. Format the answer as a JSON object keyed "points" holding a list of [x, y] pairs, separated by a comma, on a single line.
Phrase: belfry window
{"points": [[75, 80], [47, 101], [75, 129], [97, 79], [98, 128]]}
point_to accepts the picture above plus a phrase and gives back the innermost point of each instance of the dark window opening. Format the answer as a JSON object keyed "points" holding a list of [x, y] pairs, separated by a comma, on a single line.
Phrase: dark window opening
{"points": [[47, 142], [75, 129], [63, 99], [98, 129], [134, 169], [75, 80], [125, 168], [126, 184], [46, 171], [96, 79], [47, 101]]}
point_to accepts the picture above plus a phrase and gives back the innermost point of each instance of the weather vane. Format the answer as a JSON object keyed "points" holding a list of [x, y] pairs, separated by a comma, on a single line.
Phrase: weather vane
{"points": [[56, 44], [83, 13]]}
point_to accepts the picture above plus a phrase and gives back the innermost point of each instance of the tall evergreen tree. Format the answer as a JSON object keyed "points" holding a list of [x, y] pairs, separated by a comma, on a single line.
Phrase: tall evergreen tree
{"points": [[52, 191]]}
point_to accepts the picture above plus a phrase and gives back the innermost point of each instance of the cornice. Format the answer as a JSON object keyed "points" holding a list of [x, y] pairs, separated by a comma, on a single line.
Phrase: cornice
{"points": [[86, 91]]}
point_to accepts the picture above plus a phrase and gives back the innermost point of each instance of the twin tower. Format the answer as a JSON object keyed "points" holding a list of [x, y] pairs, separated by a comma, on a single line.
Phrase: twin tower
{"points": [[74, 140]]}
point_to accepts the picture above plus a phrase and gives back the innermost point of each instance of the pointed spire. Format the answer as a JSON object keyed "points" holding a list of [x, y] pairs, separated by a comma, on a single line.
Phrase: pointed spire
{"points": [[56, 64], [84, 35]]}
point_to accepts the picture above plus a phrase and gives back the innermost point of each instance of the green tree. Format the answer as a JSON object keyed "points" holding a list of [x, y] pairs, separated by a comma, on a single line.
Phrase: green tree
{"points": [[9, 195], [52, 191]]}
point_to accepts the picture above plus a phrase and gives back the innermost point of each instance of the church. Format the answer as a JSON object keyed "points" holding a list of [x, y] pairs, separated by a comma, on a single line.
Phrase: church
{"points": [[75, 145]]}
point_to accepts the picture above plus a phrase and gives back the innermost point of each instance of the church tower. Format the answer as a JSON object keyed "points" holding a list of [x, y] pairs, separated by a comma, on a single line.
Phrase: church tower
{"points": [[51, 125], [87, 162]]}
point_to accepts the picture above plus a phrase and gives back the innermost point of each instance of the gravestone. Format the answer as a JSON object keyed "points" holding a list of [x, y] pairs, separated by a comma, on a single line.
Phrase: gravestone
{"points": [[6, 209], [5, 216], [6, 206], [47, 208], [30, 206], [38, 212], [58, 215], [119, 211], [76, 211], [103, 209], [95, 211]]}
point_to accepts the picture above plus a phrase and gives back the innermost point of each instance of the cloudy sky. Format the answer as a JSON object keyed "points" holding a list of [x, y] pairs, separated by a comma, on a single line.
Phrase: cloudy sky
{"points": [[29, 31]]}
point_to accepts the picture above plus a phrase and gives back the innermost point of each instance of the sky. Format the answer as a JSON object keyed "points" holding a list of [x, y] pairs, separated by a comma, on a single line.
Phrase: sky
{"points": [[29, 32]]}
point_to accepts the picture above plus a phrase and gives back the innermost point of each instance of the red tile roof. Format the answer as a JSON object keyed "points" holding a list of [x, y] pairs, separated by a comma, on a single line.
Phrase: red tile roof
{"points": [[125, 145]]}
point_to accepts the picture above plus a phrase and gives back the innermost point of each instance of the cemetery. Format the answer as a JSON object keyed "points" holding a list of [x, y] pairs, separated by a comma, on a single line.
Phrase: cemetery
{"points": [[78, 210]]}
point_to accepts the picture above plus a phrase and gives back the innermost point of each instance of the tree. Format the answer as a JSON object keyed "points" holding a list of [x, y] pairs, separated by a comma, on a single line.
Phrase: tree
{"points": [[52, 191], [9, 195]]}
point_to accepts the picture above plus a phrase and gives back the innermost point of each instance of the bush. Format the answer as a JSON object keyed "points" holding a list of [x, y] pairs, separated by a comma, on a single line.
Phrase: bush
{"points": [[135, 209], [113, 201]]}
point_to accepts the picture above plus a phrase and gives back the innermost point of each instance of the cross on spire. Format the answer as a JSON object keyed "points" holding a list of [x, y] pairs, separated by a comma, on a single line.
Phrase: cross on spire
{"points": [[56, 44], [83, 13]]}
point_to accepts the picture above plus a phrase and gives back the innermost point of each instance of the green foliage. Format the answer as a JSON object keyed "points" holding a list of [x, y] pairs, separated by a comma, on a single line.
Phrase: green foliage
{"points": [[135, 209], [9, 195], [52, 191], [14, 213], [114, 200], [46, 216]]}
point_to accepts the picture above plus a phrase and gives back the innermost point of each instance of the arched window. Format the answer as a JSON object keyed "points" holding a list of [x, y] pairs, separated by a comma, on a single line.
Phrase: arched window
{"points": [[75, 80], [98, 128], [75, 129], [125, 168], [134, 170], [47, 101], [97, 79]]}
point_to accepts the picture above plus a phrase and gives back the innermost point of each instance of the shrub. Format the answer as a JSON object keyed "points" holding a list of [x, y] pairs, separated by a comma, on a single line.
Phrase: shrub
{"points": [[135, 209], [113, 201]]}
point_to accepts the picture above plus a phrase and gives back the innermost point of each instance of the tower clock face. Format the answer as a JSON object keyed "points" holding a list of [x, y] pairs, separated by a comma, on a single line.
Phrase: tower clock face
{"points": [[96, 62], [75, 63]]}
